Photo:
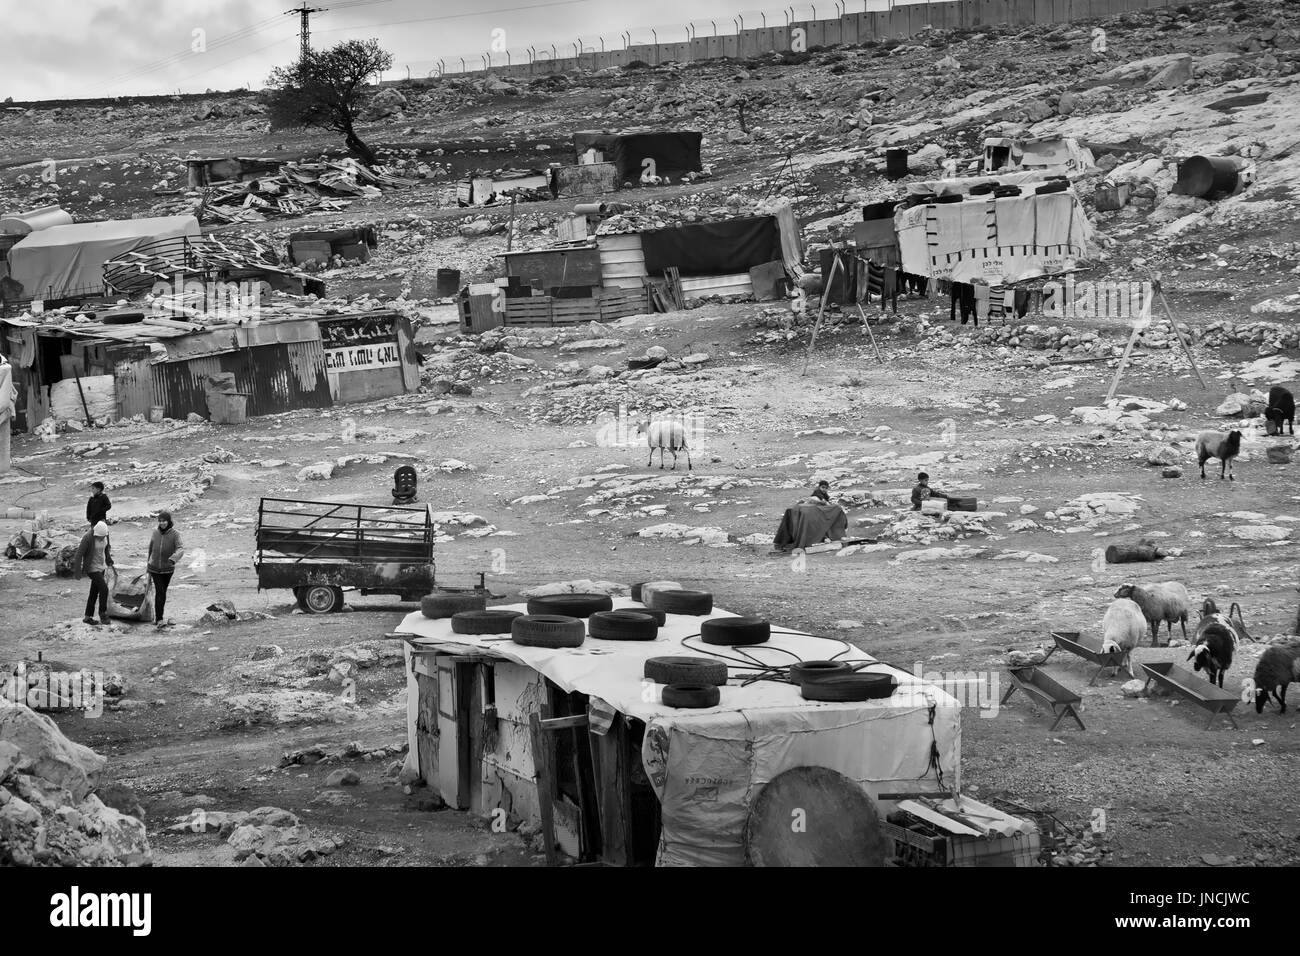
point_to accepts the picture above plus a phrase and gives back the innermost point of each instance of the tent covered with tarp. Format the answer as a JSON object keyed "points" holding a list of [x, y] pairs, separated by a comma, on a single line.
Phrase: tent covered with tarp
{"points": [[713, 248], [810, 523], [997, 239], [69, 260], [674, 153]]}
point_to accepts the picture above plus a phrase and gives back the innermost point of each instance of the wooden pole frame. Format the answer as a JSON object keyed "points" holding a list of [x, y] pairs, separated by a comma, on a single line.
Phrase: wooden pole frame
{"points": [[1137, 328]]}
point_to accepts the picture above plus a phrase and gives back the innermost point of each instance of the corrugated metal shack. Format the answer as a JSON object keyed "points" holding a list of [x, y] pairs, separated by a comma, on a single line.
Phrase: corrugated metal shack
{"points": [[131, 363]]}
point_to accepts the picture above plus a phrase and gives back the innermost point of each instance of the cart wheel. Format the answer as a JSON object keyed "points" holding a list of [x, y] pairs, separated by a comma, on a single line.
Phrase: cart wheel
{"points": [[321, 599]]}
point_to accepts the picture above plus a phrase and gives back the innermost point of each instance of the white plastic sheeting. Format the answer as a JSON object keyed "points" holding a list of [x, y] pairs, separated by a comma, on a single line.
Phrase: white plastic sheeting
{"points": [[995, 241]]}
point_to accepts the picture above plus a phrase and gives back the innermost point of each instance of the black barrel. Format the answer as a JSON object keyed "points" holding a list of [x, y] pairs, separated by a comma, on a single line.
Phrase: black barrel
{"points": [[895, 163], [448, 282], [1203, 176]]}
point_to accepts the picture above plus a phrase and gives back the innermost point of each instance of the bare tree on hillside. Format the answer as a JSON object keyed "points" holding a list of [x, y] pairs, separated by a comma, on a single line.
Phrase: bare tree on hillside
{"points": [[328, 89]]}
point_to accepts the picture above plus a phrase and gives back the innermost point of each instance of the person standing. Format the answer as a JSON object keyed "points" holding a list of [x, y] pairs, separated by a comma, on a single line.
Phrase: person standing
{"points": [[165, 549], [93, 559], [8, 398], [98, 505]]}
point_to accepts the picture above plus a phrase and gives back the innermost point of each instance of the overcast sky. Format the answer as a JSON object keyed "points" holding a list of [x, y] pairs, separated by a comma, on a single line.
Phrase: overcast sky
{"points": [[51, 49]]}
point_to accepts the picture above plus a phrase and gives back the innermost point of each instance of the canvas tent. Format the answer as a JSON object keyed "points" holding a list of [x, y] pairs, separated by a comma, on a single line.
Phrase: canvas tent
{"points": [[674, 153], [994, 240], [69, 260]]}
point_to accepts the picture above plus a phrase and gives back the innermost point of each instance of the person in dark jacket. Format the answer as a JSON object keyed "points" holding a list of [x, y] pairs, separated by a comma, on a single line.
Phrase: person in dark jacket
{"points": [[97, 505], [93, 559], [922, 490], [165, 549], [822, 491]]}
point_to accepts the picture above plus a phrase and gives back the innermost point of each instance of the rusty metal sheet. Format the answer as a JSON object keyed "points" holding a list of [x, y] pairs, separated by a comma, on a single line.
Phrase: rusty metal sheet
{"points": [[271, 333], [132, 379]]}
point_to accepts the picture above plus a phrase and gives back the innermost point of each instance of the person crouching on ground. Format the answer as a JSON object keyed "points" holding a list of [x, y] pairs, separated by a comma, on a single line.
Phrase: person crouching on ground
{"points": [[822, 491], [165, 549], [922, 490], [93, 559]]}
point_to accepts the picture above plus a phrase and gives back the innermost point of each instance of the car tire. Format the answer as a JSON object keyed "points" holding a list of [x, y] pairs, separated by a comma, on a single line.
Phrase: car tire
{"points": [[321, 599], [807, 671], [681, 602], [691, 695], [548, 630], [735, 631], [437, 605], [493, 620], [622, 626], [849, 687], [685, 670], [570, 605], [661, 617], [636, 592]]}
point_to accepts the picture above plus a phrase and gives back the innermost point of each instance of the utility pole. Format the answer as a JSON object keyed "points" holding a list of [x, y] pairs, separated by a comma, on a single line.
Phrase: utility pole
{"points": [[304, 33]]}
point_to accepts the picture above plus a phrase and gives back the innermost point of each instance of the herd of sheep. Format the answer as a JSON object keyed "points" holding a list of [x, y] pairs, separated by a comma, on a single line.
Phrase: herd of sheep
{"points": [[1140, 609]]}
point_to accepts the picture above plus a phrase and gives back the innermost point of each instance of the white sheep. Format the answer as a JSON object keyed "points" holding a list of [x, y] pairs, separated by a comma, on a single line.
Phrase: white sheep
{"points": [[1168, 602], [665, 434], [1122, 627]]}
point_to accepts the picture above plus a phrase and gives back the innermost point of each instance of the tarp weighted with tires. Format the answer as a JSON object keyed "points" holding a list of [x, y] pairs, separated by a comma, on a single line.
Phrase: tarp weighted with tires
{"points": [[708, 765]]}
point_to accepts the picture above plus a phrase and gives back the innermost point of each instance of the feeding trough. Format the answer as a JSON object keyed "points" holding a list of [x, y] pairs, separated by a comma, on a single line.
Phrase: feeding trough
{"points": [[1196, 689], [1089, 648], [1046, 691]]}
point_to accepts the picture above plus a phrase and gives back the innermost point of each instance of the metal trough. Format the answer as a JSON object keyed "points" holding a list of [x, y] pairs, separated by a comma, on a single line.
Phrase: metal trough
{"points": [[1046, 691], [1089, 648], [1199, 691]]}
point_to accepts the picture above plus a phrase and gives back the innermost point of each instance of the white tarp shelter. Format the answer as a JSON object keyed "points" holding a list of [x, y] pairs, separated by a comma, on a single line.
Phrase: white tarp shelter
{"points": [[994, 240], [707, 766], [1044, 153], [66, 260]]}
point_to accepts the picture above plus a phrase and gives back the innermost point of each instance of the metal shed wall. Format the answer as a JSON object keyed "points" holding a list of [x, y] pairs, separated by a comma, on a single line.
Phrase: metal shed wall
{"points": [[277, 378]]}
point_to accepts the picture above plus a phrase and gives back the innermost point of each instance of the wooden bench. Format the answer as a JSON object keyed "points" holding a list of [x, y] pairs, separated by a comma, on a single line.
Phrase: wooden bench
{"points": [[1044, 690]]}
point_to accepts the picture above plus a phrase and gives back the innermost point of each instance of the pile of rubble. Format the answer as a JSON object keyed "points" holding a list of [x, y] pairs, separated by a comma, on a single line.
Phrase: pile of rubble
{"points": [[50, 814], [913, 527], [267, 836], [297, 189]]}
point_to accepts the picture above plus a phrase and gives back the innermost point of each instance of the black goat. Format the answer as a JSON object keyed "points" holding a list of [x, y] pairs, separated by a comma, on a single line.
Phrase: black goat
{"points": [[1281, 408], [1213, 646]]}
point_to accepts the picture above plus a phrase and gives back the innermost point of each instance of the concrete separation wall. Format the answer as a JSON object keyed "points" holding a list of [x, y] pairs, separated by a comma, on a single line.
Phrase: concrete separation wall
{"points": [[897, 24]]}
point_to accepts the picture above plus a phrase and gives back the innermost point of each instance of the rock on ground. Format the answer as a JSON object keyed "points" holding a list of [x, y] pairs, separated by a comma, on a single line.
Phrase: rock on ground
{"points": [[48, 814]]}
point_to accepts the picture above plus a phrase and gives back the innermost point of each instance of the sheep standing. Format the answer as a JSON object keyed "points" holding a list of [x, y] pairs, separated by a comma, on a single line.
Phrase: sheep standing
{"points": [[1168, 602], [1214, 643], [665, 434], [1281, 408], [1278, 666], [1224, 446], [1122, 627]]}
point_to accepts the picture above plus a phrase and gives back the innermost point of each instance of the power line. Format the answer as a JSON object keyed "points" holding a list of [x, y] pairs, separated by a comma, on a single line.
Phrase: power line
{"points": [[241, 34], [461, 16], [244, 33]]}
